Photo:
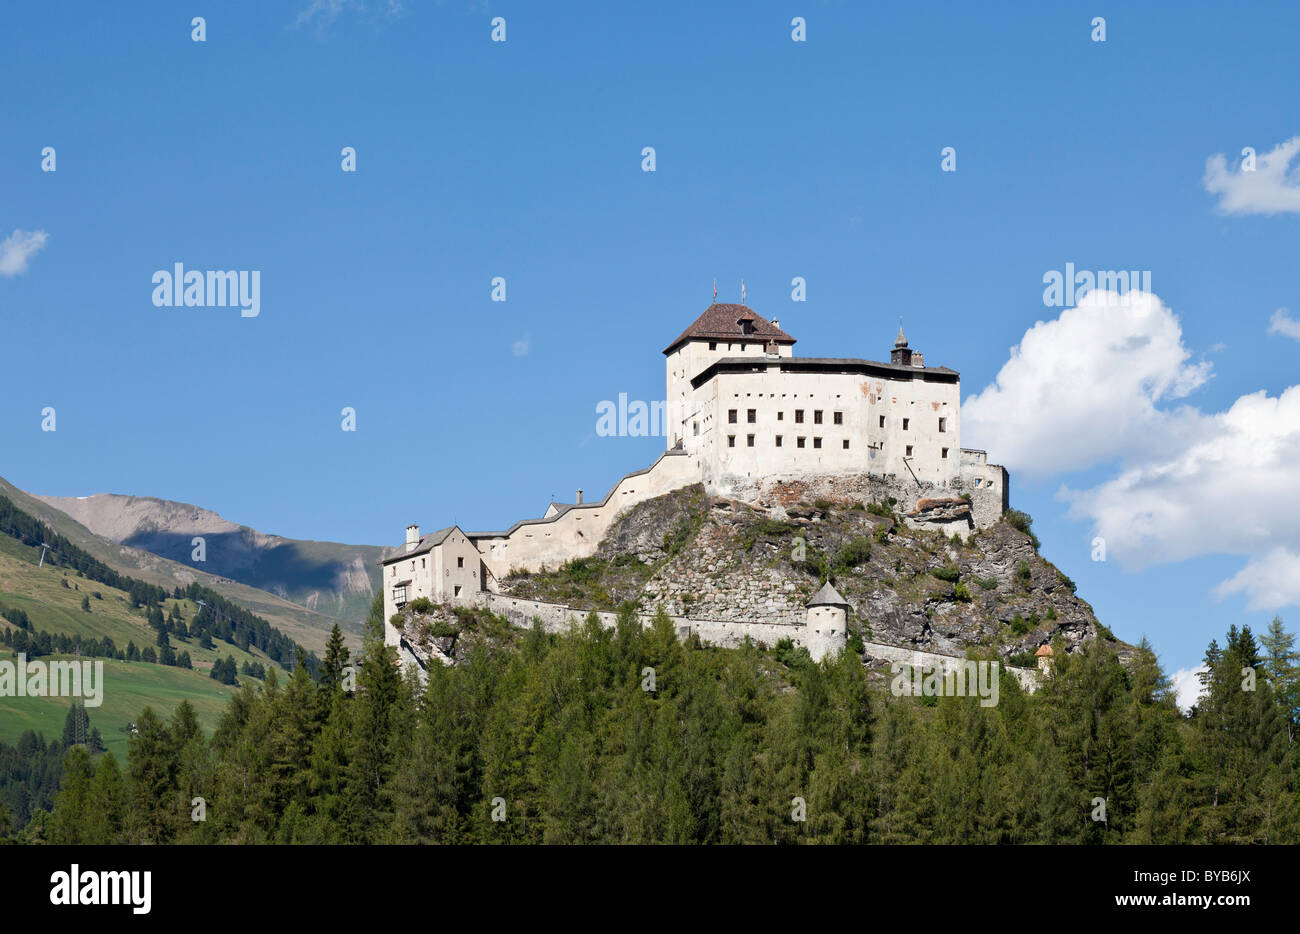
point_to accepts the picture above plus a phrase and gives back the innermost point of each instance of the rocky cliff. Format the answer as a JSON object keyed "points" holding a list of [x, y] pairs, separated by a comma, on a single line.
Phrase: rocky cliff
{"points": [[723, 559]]}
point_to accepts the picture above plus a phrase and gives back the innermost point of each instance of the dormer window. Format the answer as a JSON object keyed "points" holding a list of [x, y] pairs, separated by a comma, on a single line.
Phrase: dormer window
{"points": [[746, 325]]}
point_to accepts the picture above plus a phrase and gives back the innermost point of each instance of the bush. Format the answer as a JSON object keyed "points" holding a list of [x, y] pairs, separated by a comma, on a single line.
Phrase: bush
{"points": [[1020, 625], [987, 583], [853, 553], [440, 630], [948, 573], [879, 509], [854, 643], [1023, 572], [398, 620], [1022, 660], [1022, 522], [962, 593], [421, 605]]}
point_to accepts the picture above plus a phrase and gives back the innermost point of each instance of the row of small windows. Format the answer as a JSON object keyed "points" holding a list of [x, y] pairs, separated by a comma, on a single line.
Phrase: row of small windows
{"points": [[751, 416], [801, 440], [906, 424], [837, 418]]}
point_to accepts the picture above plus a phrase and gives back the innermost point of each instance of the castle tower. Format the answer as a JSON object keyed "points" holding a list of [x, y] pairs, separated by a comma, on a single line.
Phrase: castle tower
{"points": [[901, 355], [1044, 656], [723, 331], [827, 623]]}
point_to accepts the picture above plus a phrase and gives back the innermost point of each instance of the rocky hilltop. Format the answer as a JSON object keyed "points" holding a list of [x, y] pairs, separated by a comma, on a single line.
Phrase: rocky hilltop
{"points": [[723, 559]]}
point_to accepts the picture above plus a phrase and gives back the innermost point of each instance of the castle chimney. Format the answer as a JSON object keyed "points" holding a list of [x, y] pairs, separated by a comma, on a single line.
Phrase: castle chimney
{"points": [[776, 323], [412, 536], [579, 499]]}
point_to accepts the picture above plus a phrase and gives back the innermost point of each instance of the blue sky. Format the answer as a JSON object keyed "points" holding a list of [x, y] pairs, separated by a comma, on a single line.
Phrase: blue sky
{"points": [[774, 159]]}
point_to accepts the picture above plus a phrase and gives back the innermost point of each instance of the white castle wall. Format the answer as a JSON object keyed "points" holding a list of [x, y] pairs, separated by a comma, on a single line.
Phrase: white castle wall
{"points": [[728, 634], [777, 398], [576, 533]]}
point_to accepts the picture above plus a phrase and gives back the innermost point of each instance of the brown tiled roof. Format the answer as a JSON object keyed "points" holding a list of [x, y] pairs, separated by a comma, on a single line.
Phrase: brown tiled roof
{"points": [[722, 323]]}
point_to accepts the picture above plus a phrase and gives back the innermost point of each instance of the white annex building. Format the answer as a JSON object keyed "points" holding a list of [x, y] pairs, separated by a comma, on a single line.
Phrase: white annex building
{"points": [[745, 417]]}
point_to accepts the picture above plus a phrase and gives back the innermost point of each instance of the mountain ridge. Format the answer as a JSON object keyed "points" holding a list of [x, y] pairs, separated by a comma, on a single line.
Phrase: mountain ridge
{"points": [[333, 578], [305, 625]]}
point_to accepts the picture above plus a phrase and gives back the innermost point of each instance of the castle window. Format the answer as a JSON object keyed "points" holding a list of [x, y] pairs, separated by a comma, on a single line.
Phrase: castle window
{"points": [[882, 421], [696, 426], [394, 574], [839, 418], [846, 444], [749, 442], [460, 562], [798, 442], [817, 442], [731, 416], [422, 564], [780, 416], [817, 417], [945, 452], [731, 441], [399, 595], [798, 416], [909, 451], [943, 424], [977, 482], [778, 440], [752, 415], [713, 345], [457, 591], [906, 423]]}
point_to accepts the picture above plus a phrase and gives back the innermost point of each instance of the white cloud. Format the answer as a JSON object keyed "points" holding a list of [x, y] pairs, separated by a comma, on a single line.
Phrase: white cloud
{"points": [[1187, 686], [521, 347], [1282, 323], [327, 10], [1226, 485], [1270, 582], [1082, 389], [1273, 188], [18, 248], [1093, 388], [324, 12]]}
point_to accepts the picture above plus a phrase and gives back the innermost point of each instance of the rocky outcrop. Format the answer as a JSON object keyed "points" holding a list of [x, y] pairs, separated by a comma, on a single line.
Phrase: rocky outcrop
{"points": [[724, 559]]}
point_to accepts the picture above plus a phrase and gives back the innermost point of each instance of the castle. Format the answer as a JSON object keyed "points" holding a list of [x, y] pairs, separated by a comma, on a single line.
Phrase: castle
{"points": [[749, 420]]}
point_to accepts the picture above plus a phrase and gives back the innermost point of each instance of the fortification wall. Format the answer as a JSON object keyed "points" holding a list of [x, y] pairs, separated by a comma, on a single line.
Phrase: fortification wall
{"points": [[728, 634], [1028, 677], [576, 532]]}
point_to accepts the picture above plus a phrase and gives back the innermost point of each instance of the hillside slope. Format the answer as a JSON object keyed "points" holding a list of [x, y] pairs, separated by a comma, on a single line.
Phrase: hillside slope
{"points": [[331, 578], [723, 559], [307, 627]]}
